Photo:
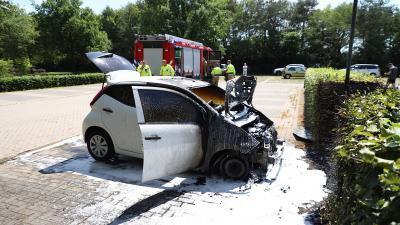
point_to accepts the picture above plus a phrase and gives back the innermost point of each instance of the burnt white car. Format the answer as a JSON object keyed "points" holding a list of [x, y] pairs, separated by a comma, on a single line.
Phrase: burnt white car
{"points": [[177, 124]]}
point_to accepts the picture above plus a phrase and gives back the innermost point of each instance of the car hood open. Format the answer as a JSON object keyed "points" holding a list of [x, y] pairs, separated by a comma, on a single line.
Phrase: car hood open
{"points": [[109, 62]]}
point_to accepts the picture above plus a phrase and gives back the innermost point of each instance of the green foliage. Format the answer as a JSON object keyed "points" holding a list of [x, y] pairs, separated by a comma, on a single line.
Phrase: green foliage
{"points": [[264, 34], [121, 26], [19, 83], [22, 65], [369, 159], [17, 32], [5, 67], [327, 34], [67, 32], [324, 90], [367, 140]]}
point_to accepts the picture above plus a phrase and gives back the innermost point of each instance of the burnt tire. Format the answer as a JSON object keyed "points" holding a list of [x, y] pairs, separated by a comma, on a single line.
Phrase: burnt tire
{"points": [[234, 167], [100, 145]]}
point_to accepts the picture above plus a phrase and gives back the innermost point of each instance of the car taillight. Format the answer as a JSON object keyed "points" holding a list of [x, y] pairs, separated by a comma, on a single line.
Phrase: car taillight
{"points": [[98, 95]]}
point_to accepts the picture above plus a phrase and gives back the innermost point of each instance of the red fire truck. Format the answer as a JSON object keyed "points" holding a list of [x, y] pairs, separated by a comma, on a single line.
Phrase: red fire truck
{"points": [[188, 58]]}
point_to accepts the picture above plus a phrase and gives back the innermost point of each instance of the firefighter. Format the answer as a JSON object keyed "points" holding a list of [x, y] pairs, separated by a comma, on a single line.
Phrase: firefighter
{"points": [[215, 73], [144, 69], [166, 69], [230, 71]]}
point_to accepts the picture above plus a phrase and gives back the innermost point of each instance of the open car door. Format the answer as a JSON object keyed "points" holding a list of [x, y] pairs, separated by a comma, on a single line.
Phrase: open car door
{"points": [[171, 133]]}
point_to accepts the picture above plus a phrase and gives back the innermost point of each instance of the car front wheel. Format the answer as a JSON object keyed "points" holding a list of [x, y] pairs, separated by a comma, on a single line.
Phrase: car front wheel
{"points": [[100, 145], [234, 167], [287, 76]]}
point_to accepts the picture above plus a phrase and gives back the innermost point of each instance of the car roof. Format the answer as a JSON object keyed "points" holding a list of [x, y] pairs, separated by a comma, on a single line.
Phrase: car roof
{"points": [[180, 82], [295, 65], [365, 65]]}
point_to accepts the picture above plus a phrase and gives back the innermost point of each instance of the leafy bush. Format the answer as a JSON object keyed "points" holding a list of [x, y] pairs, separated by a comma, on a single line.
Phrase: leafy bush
{"points": [[365, 165], [5, 67], [22, 65], [369, 160], [324, 91], [18, 83]]}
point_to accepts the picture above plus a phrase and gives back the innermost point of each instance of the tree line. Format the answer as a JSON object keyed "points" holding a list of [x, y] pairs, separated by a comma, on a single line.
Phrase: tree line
{"points": [[263, 33]]}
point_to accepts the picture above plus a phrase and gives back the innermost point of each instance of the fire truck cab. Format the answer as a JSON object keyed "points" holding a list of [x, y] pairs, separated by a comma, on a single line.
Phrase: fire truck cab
{"points": [[188, 58]]}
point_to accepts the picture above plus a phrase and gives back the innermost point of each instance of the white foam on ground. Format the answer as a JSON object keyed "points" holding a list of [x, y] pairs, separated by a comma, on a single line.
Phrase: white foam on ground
{"points": [[264, 203], [217, 202]]}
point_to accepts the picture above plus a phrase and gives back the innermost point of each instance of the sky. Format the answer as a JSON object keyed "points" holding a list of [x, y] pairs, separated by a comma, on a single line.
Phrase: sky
{"points": [[99, 5]]}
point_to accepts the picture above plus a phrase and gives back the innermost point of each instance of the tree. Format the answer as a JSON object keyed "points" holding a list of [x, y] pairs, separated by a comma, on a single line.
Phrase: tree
{"points": [[17, 36], [375, 31], [67, 32], [121, 27], [328, 34]]}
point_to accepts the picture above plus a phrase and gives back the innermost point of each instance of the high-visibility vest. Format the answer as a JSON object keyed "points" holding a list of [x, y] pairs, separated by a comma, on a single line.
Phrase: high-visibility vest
{"points": [[167, 70], [216, 71], [230, 69], [144, 71]]}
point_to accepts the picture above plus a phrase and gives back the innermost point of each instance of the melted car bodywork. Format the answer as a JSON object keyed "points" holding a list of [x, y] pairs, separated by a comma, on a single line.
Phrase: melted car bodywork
{"points": [[239, 128]]}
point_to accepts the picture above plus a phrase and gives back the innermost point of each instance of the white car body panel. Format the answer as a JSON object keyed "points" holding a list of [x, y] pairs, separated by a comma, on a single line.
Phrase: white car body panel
{"points": [[366, 69], [121, 124], [178, 149], [122, 75]]}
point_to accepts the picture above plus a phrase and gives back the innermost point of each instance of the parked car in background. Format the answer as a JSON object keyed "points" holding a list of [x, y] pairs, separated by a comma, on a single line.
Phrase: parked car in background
{"points": [[176, 124], [278, 71], [294, 71], [372, 69], [299, 65]]}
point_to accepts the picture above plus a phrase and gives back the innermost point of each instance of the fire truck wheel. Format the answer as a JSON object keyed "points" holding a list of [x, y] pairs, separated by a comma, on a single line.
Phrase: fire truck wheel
{"points": [[234, 167]]}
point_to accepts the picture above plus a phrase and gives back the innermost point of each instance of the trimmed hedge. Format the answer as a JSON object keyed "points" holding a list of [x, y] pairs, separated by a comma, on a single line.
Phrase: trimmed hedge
{"points": [[324, 92], [19, 83], [364, 125]]}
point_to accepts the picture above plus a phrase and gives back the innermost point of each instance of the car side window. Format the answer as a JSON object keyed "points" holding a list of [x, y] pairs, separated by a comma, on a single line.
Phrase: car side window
{"points": [[291, 69], [167, 107], [121, 93]]}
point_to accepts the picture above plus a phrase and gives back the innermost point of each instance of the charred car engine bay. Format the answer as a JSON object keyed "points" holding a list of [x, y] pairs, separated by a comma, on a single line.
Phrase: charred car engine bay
{"points": [[258, 143]]}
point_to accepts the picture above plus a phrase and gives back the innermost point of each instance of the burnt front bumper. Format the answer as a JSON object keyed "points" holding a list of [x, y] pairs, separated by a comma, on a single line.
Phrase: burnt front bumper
{"points": [[269, 157]]}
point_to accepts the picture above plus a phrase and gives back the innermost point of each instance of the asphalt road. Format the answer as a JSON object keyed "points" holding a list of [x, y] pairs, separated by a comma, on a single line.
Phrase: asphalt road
{"points": [[36, 118]]}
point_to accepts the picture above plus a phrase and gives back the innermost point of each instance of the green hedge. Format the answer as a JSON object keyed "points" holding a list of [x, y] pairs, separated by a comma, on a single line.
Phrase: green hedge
{"points": [[362, 130], [18, 83], [368, 190], [324, 92]]}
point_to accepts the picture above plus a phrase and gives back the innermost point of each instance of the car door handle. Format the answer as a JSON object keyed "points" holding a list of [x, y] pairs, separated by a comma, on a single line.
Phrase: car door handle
{"points": [[108, 110], [155, 137]]}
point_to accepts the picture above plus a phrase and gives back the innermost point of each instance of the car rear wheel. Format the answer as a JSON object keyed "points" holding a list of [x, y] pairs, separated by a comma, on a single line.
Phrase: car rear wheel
{"points": [[278, 73], [100, 146], [234, 167]]}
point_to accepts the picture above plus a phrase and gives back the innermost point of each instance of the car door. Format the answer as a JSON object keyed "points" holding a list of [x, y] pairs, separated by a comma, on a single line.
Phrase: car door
{"points": [[119, 116], [171, 132]]}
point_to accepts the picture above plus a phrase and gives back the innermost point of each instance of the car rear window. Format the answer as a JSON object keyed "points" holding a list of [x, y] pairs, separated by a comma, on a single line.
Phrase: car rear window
{"points": [[121, 93], [167, 107]]}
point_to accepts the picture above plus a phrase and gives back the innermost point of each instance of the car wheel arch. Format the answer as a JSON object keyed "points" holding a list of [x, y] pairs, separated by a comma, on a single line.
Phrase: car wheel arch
{"points": [[220, 155], [93, 129]]}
